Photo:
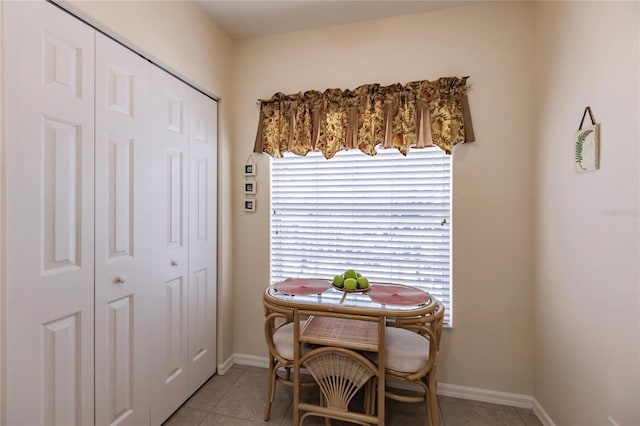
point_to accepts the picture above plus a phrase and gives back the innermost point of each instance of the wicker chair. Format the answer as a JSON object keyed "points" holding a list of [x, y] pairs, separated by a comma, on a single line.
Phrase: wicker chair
{"points": [[278, 333], [411, 355], [340, 374]]}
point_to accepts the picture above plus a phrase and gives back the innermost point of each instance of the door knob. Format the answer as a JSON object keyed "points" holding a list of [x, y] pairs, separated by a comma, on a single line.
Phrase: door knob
{"points": [[174, 263], [120, 280]]}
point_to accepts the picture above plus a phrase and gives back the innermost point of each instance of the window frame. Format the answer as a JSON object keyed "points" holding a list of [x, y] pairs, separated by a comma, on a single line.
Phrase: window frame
{"points": [[446, 188]]}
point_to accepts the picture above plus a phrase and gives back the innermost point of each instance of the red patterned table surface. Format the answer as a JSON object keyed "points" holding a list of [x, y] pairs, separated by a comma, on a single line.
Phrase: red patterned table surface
{"points": [[300, 286], [397, 295]]}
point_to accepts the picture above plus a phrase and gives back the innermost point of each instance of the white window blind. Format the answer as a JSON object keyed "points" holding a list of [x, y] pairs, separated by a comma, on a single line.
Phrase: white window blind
{"points": [[386, 216]]}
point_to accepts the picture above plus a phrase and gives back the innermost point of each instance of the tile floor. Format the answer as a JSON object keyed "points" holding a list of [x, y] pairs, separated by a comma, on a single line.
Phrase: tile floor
{"points": [[238, 399]]}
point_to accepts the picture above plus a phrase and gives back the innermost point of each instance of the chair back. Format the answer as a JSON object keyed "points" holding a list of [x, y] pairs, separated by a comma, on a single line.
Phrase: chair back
{"points": [[340, 373]]}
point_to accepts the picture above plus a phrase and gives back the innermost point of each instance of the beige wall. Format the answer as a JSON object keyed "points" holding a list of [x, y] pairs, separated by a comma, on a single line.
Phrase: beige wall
{"points": [[587, 280], [491, 345], [2, 220], [181, 37]]}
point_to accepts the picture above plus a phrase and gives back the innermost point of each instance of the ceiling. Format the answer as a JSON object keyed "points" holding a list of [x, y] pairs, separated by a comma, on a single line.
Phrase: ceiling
{"points": [[244, 18]]}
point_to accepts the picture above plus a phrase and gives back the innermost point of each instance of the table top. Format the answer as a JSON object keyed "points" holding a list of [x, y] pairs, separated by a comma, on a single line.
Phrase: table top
{"points": [[387, 299]]}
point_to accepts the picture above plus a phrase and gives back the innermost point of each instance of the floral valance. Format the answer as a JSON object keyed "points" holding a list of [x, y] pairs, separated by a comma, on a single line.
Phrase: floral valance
{"points": [[416, 115]]}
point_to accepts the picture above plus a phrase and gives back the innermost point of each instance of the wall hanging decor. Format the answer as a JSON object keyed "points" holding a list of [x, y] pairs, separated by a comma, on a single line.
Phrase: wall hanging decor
{"points": [[250, 185], [250, 188], [587, 145], [250, 167], [249, 205]]}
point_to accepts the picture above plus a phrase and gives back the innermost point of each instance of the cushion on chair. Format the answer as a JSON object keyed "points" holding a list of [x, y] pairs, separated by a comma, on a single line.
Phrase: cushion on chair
{"points": [[283, 341], [405, 350]]}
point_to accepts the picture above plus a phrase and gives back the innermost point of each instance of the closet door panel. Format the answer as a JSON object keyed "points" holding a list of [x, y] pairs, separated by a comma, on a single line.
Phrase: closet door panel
{"points": [[202, 238], [123, 235], [49, 284], [169, 201]]}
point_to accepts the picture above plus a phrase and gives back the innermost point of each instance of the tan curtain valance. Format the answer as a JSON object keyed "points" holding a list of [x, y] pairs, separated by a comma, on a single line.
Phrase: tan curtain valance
{"points": [[416, 115]]}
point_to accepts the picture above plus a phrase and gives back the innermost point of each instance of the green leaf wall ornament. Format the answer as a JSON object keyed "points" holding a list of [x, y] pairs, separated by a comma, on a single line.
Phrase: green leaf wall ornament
{"points": [[581, 137], [587, 141]]}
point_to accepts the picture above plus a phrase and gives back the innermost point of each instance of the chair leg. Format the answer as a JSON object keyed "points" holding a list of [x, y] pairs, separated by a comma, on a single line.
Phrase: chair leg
{"points": [[272, 390], [370, 397], [323, 403], [432, 399]]}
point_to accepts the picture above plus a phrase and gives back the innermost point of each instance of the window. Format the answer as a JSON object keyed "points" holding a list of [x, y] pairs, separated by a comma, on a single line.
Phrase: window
{"points": [[387, 216]]}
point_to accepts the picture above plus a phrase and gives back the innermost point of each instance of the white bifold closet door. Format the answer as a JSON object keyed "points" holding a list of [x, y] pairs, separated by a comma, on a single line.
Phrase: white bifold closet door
{"points": [[202, 238], [49, 185], [184, 243], [169, 194], [123, 234]]}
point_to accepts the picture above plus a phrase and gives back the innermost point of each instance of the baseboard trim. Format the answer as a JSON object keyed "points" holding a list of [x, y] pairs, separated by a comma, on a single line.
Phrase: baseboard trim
{"points": [[485, 395], [444, 389], [495, 397], [226, 365], [251, 360], [542, 415], [243, 359]]}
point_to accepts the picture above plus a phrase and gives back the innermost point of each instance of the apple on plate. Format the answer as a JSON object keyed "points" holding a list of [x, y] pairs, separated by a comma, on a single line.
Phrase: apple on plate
{"points": [[350, 284], [362, 282], [350, 273]]}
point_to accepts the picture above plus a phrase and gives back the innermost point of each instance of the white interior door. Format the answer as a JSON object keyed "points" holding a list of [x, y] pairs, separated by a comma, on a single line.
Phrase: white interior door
{"points": [[49, 277], [123, 235], [169, 198], [202, 238]]}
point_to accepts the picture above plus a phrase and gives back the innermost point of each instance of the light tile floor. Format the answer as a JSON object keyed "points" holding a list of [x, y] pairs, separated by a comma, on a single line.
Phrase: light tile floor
{"points": [[238, 399]]}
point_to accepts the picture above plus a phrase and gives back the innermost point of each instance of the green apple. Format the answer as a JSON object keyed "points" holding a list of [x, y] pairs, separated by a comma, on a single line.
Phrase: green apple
{"points": [[338, 281], [363, 282], [350, 284], [350, 273]]}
